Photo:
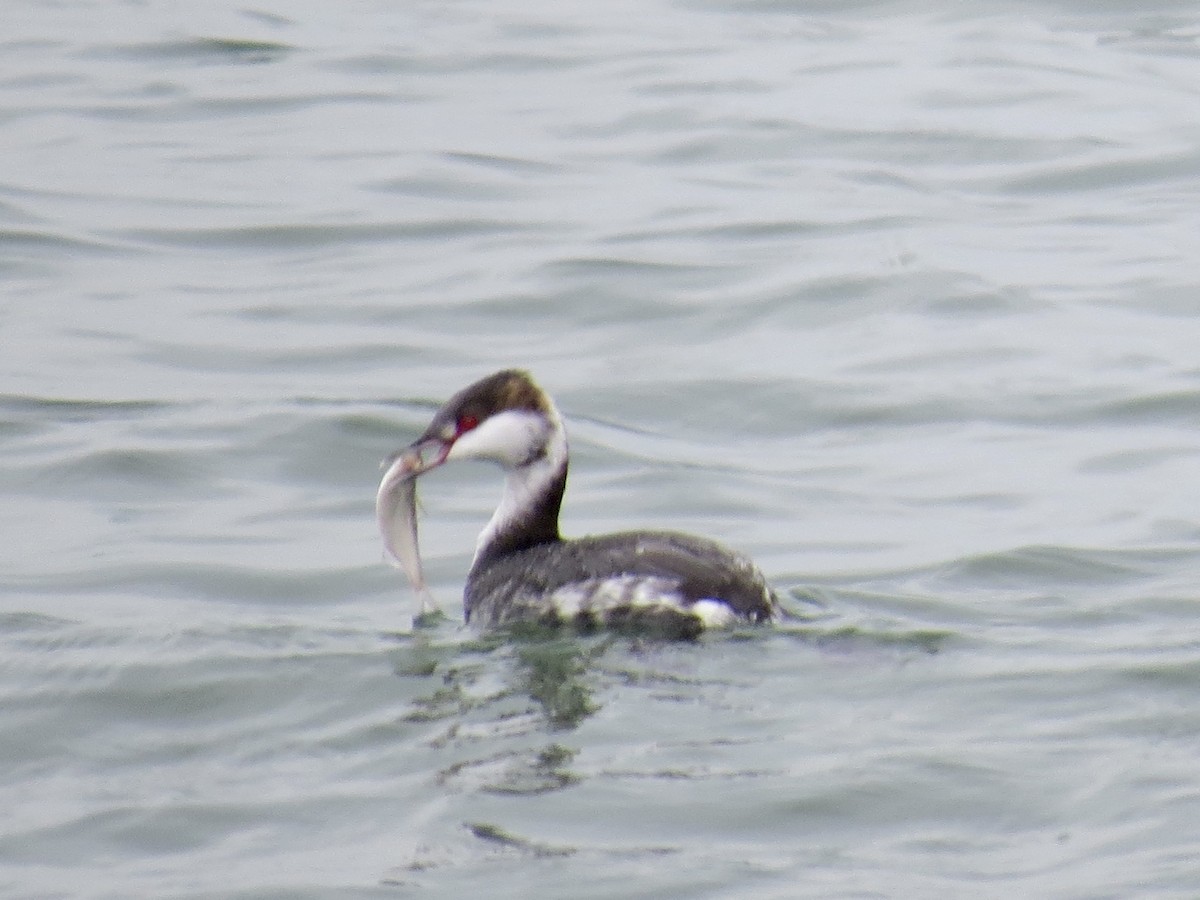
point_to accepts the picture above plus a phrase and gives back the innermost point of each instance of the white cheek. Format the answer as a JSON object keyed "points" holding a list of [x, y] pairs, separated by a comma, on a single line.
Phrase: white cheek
{"points": [[510, 438]]}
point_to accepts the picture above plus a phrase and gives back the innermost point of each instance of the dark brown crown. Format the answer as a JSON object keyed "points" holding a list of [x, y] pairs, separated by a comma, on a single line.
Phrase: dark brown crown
{"points": [[504, 390]]}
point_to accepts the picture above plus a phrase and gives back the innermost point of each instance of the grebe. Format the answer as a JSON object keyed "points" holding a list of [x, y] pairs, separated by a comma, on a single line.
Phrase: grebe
{"points": [[524, 570]]}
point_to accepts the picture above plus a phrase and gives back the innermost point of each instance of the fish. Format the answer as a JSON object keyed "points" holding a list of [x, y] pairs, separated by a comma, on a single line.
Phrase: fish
{"points": [[396, 512]]}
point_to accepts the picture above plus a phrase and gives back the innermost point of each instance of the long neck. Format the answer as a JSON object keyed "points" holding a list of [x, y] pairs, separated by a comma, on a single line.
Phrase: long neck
{"points": [[528, 510]]}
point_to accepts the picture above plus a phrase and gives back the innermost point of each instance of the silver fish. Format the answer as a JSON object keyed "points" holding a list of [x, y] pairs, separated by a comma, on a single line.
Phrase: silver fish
{"points": [[396, 512]]}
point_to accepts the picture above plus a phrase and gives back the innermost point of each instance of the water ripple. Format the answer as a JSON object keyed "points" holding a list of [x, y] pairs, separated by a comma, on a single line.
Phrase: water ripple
{"points": [[898, 298]]}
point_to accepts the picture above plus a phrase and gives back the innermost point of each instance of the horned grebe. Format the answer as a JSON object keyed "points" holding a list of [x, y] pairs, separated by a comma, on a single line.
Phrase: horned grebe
{"points": [[523, 570]]}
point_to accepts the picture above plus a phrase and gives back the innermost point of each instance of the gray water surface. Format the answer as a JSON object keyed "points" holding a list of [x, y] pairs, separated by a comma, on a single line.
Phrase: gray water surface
{"points": [[899, 298]]}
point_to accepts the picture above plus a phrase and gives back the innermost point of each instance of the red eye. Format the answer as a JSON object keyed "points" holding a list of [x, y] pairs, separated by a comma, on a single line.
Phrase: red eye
{"points": [[466, 423]]}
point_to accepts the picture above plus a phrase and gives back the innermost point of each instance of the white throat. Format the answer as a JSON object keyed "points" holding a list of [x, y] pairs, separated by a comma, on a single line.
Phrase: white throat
{"points": [[532, 450]]}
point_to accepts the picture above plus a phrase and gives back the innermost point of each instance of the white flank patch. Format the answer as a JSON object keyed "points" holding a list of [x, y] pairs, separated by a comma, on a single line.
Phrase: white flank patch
{"points": [[715, 613], [603, 595], [570, 601]]}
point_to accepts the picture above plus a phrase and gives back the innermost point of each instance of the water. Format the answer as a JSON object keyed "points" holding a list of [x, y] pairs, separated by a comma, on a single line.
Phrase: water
{"points": [[896, 297]]}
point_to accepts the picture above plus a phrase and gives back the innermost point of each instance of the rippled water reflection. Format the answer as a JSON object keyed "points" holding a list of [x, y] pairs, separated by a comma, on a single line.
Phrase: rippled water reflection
{"points": [[896, 298]]}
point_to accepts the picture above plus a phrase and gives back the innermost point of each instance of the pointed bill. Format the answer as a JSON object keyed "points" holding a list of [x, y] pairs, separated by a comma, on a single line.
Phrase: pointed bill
{"points": [[396, 512]]}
